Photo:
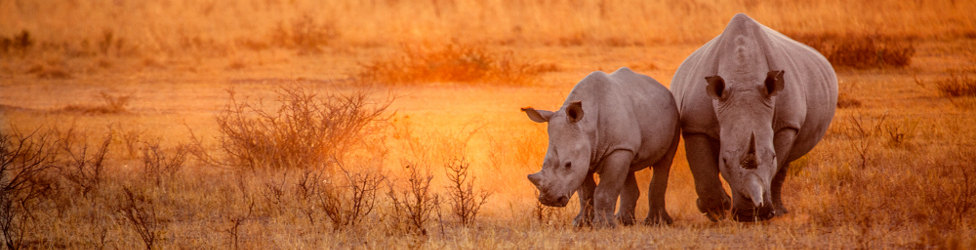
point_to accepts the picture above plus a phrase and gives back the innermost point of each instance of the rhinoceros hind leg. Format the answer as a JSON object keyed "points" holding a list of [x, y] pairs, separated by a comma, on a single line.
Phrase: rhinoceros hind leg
{"points": [[658, 214], [628, 200]]}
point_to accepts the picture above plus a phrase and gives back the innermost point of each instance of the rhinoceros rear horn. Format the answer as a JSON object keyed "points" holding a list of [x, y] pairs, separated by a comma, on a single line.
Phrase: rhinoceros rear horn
{"points": [[574, 112], [774, 82]]}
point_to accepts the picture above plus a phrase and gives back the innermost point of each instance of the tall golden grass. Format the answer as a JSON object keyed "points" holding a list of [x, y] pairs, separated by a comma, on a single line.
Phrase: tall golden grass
{"points": [[227, 27]]}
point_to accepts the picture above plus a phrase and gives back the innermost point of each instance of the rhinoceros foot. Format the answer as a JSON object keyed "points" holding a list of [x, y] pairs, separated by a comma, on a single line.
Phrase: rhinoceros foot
{"points": [[659, 217], [714, 208]]}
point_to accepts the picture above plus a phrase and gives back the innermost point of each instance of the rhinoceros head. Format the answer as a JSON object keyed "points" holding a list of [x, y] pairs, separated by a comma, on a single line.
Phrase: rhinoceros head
{"points": [[568, 156], [743, 99]]}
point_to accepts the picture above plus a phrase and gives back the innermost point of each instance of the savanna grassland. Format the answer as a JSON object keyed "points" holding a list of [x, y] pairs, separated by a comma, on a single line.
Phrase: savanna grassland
{"points": [[387, 123]]}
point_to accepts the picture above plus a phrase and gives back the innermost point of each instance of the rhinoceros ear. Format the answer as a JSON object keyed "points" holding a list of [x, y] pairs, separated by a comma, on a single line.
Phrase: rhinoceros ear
{"points": [[539, 116], [716, 86], [574, 112], [774, 82]]}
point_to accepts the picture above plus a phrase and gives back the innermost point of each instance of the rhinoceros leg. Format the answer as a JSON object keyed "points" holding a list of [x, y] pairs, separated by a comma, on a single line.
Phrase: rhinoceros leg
{"points": [[628, 200], [585, 192], [613, 174], [659, 185], [783, 141], [702, 154]]}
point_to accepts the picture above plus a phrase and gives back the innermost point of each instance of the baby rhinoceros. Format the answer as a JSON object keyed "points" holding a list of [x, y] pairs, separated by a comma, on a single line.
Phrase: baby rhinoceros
{"points": [[611, 125]]}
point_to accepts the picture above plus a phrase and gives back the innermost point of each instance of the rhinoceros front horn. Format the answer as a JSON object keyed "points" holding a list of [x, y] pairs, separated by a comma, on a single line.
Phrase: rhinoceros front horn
{"points": [[755, 192]]}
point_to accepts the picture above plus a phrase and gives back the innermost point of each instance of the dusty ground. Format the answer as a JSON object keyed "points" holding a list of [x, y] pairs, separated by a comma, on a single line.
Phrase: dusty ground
{"points": [[887, 175]]}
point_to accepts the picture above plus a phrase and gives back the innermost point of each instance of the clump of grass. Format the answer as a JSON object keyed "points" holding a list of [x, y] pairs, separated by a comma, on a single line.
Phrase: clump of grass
{"points": [[50, 71], [861, 51], [957, 84], [451, 63], [845, 100], [18, 43], [304, 34], [111, 104]]}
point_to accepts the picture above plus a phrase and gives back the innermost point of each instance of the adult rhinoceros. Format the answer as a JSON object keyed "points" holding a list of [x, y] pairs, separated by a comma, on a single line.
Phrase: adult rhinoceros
{"points": [[611, 125], [751, 101]]}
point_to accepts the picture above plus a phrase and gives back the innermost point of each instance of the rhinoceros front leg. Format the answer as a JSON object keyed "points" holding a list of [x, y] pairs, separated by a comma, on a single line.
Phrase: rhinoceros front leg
{"points": [[783, 141], [613, 174], [702, 153], [585, 192], [628, 200]]}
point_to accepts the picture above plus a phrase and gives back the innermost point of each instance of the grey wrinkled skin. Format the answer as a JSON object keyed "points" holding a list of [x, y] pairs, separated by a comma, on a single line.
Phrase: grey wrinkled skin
{"points": [[610, 125], [751, 101]]}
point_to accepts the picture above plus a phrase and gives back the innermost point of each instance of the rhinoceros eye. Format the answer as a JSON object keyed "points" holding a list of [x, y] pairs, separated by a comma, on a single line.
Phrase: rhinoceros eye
{"points": [[568, 165]]}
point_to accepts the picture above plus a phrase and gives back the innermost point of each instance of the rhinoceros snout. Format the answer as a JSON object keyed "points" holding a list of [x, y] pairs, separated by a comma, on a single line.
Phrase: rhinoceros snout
{"points": [[553, 201], [749, 210], [534, 178]]}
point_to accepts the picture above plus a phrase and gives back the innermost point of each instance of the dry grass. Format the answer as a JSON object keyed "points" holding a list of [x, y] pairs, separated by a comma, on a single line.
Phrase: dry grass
{"points": [[451, 63], [222, 27], [894, 170], [862, 50]]}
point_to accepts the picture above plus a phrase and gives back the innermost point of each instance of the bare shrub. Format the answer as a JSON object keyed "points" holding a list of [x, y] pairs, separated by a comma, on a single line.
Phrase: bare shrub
{"points": [[304, 131], [350, 199], [131, 138], [80, 163], [957, 84], [159, 165], [465, 202], [140, 211], [236, 222], [899, 133], [23, 161], [307, 191], [451, 63], [861, 50], [412, 207]]}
